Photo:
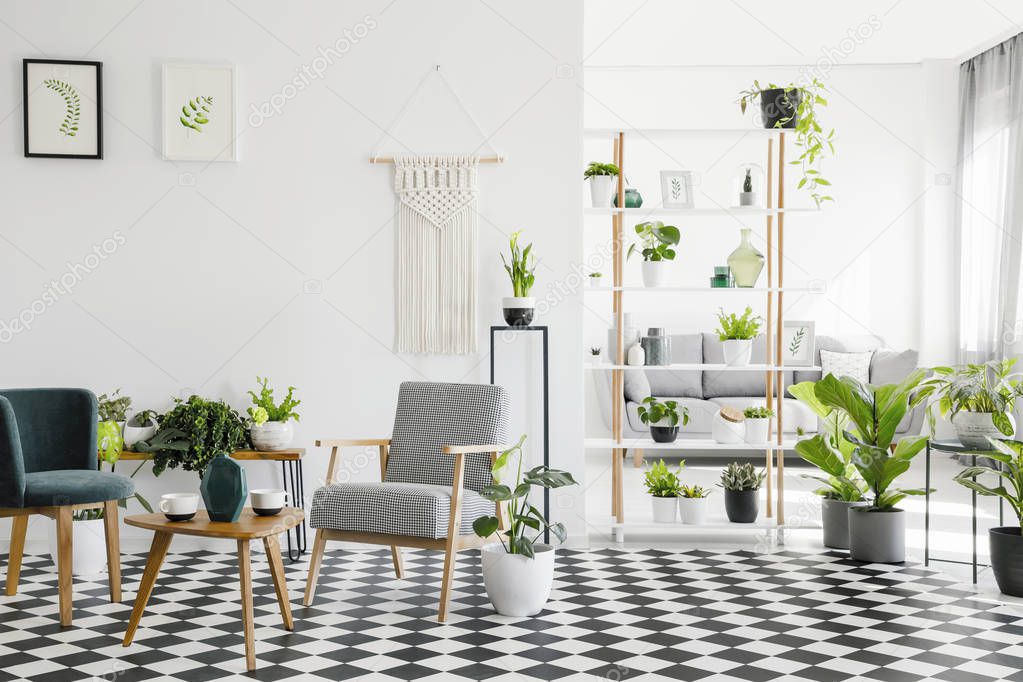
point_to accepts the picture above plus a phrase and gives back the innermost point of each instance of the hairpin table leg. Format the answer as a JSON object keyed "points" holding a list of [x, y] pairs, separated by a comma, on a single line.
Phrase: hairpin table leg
{"points": [[293, 469]]}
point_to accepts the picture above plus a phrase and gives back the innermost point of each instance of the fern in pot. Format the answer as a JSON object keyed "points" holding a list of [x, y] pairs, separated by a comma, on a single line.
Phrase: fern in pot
{"points": [[269, 421], [663, 418], [736, 333], [656, 245], [663, 485], [742, 491], [601, 177], [519, 309], [517, 571], [978, 399]]}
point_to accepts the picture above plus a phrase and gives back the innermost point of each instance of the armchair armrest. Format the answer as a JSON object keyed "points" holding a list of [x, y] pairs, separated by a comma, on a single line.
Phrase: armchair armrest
{"points": [[350, 442], [473, 449]]}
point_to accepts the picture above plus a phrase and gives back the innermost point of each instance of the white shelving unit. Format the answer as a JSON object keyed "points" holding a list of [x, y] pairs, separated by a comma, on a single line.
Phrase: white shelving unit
{"points": [[774, 290]]}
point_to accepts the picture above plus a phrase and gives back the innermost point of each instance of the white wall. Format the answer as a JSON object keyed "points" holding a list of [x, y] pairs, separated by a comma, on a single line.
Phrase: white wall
{"points": [[282, 264]]}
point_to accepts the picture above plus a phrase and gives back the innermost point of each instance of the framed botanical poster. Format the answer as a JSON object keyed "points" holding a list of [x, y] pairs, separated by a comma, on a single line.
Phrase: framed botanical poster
{"points": [[199, 118], [677, 189], [63, 101], [798, 343]]}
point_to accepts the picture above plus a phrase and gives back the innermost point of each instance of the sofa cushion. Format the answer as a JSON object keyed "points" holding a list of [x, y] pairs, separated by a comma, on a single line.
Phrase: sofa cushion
{"points": [[847, 344], [685, 349], [891, 366], [700, 414], [414, 509], [731, 383], [794, 413], [75, 486], [637, 385], [854, 365]]}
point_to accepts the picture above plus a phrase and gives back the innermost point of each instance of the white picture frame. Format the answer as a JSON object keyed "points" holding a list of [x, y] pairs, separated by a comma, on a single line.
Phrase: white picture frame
{"points": [[677, 189], [798, 343], [199, 112]]}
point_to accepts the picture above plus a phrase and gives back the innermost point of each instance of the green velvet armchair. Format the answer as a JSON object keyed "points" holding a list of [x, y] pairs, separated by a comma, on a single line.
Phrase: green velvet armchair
{"points": [[48, 466]]}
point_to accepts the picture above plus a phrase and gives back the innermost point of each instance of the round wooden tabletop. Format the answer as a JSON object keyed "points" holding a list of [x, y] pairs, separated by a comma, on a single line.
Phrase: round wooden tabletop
{"points": [[248, 526]]}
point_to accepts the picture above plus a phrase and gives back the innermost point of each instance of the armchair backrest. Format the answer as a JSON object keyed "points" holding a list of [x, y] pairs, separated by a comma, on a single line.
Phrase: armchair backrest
{"points": [[431, 415]]}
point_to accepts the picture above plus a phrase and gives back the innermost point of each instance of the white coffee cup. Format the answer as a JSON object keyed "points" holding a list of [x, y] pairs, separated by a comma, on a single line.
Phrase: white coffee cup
{"points": [[268, 500], [179, 504]]}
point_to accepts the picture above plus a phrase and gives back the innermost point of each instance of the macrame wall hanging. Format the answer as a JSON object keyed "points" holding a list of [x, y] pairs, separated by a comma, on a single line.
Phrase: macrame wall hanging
{"points": [[436, 236]]}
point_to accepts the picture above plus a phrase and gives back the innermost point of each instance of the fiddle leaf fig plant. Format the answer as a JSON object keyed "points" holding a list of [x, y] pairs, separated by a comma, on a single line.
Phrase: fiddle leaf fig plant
{"points": [[656, 241], [829, 451]]}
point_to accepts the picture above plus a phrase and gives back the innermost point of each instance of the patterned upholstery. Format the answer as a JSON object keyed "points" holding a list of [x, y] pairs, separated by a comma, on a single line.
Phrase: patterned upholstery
{"points": [[430, 415], [410, 509]]}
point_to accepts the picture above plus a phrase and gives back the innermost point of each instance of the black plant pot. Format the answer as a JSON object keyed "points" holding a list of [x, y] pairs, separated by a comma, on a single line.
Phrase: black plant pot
{"points": [[776, 105], [518, 311], [742, 506], [1007, 559], [664, 434]]}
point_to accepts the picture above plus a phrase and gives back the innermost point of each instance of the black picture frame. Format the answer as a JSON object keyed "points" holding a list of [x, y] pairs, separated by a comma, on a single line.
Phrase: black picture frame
{"points": [[99, 107]]}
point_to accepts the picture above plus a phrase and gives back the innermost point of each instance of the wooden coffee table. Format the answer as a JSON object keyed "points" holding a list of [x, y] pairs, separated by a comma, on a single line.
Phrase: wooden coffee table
{"points": [[248, 527]]}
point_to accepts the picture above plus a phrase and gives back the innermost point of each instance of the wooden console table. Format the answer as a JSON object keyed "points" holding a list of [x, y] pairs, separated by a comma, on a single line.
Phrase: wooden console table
{"points": [[291, 467]]}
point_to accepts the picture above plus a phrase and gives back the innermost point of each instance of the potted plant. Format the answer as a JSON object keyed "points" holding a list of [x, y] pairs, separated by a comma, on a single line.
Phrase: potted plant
{"points": [[1006, 542], [978, 399], [140, 426], [518, 309], [692, 504], [742, 491], [518, 572], [663, 418], [842, 486], [270, 425], [663, 486], [747, 197], [736, 333], [595, 355], [758, 423], [795, 107], [877, 531], [655, 245], [596, 279], [112, 411], [601, 177]]}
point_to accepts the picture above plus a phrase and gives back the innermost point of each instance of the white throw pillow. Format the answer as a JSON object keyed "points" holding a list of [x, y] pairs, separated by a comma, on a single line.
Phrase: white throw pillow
{"points": [[855, 365]]}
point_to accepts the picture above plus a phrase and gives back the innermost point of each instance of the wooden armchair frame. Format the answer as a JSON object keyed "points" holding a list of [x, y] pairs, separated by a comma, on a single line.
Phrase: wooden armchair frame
{"points": [[450, 544]]}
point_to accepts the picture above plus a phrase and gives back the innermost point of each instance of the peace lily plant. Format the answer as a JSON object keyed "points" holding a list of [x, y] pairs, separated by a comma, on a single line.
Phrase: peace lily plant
{"points": [[517, 571], [520, 266]]}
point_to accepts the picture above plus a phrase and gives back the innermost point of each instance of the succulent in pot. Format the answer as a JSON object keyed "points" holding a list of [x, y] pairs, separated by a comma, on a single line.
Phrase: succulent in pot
{"points": [[742, 491], [656, 245], [736, 333], [663, 418], [1007, 541], [663, 485], [978, 399], [758, 423], [596, 279], [517, 571], [601, 177], [595, 352], [270, 422], [747, 197], [518, 310], [692, 504]]}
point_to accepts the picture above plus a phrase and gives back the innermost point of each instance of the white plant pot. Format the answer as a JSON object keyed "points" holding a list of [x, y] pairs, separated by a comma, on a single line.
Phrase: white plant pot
{"points": [[724, 431], [655, 272], [517, 585], [693, 510], [601, 187], [665, 509], [757, 429], [135, 434], [596, 282], [271, 435], [747, 198], [974, 428], [737, 352], [88, 547], [594, 359]]}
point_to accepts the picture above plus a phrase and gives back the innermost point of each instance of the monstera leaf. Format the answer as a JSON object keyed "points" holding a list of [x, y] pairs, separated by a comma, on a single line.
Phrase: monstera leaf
{"points": [[196, 113]]}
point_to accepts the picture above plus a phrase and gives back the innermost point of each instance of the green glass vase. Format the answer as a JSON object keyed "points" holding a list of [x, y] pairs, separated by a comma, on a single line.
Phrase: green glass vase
{"points": [[746, 262]]}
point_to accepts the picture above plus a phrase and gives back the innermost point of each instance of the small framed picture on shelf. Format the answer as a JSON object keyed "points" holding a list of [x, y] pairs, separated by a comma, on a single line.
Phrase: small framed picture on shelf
{"points": [[63, 101], [798, 343], [677, 189]]}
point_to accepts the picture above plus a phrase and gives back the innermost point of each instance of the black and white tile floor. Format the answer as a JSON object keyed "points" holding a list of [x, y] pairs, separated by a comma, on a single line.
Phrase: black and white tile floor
{"points": [[613, 615]]}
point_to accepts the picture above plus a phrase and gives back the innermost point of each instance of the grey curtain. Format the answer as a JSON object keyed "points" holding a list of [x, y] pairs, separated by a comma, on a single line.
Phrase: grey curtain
{"points": [[989, 222]]}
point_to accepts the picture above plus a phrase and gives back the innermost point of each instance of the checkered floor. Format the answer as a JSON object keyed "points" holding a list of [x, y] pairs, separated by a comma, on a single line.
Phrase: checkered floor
{"points": [[613, 615]]}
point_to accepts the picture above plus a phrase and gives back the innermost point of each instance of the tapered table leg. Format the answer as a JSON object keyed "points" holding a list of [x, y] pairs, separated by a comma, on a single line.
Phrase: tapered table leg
{"points": [[245, 573], [273, 558], [157, 552]]}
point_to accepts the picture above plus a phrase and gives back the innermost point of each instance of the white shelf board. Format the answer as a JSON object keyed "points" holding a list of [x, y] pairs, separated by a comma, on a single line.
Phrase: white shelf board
{"points": [[721, 290], [704, 367], [602, 133], [680, 444], [719, 524], [735, 211]]}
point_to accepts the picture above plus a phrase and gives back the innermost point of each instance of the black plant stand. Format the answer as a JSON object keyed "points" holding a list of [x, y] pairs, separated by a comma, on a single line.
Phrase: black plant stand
{"points": [[546, 403]]}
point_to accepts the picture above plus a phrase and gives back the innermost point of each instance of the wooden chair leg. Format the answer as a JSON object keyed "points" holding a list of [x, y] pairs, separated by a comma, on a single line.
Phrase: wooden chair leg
{"points": [[110, 520], [399, 567], [447, 581], [637, 458], [19, 526], [315, 558], [64, 554], [273, 558]]}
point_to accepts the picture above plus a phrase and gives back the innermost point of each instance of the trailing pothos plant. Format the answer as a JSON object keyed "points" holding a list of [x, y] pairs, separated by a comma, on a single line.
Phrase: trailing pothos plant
{"points": [[810, 135], [829, 451], [656, 241], [524, 518], [874, 413], [193, 433], [1009, 455]]}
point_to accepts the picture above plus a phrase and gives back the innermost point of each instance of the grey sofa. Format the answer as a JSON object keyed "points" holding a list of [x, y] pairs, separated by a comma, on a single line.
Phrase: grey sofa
{"points": [[705, 392]]}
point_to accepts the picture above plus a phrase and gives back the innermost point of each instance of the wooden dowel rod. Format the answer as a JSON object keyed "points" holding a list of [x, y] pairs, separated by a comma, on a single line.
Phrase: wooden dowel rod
{"points": [[482, 159]]}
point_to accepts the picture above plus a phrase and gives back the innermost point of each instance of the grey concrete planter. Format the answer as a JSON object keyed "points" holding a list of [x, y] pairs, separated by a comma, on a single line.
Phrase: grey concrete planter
{"points": [[877, 537], [835, 518]]}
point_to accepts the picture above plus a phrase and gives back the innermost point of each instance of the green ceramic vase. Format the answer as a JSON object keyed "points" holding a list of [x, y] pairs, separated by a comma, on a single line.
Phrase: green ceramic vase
{"points": [[224, 489], [746, 262], [633, 199]]}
